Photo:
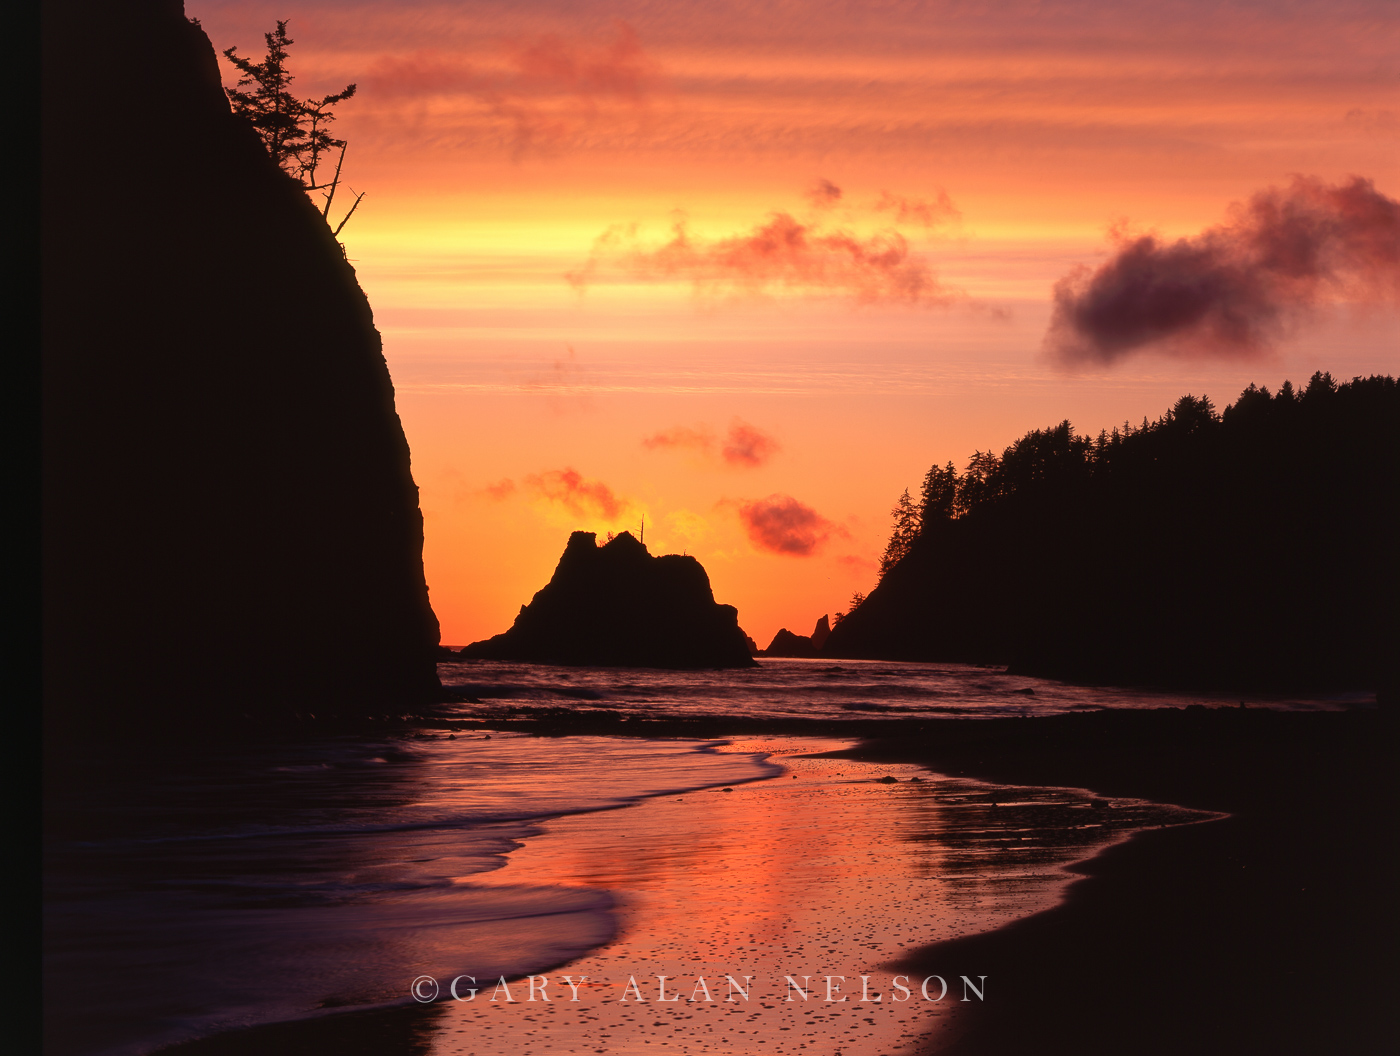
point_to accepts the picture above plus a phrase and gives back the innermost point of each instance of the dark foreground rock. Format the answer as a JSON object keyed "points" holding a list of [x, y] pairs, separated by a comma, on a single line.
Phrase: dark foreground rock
{"points": [[230, 522], [616, 605]]}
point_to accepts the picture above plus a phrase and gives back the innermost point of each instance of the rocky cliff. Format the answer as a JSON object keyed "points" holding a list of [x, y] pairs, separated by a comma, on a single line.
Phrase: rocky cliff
{"points": [[230, 520], [616, 605]]}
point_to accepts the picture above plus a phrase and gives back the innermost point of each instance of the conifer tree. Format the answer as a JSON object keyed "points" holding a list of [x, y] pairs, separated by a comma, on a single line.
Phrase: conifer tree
{"points": [[905, 531], [295, 131], [939, 497]]}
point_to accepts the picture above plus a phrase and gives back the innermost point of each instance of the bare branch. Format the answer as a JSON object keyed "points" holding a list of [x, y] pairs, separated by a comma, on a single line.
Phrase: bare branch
{"points": [[348, 215]]}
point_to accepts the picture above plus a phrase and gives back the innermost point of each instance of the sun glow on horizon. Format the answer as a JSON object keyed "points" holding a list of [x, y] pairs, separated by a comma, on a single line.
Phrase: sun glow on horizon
{"points": [[592, 224]]}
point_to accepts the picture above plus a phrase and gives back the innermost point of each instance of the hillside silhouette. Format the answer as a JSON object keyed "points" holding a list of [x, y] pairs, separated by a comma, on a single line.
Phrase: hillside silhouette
{"points": [[1254, 549], [231, 526], [616, 605]]}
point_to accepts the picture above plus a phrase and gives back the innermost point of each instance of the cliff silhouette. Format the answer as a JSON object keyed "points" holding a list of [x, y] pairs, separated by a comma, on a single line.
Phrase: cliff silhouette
{"points": [[230, 521], [618, 606], [1251, 550]]}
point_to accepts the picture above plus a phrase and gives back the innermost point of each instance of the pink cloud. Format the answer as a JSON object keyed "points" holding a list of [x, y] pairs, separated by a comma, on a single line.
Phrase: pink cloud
{"points": [[917, 210], [620, 69], [780, 254], [568, 488], [747, 445], [782, 525], [544, 87], [501, 489], [683, 437], [823, 194]]}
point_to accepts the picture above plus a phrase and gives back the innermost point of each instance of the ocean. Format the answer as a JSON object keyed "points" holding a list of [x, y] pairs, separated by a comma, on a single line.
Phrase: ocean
{"points": [[255, 882]]}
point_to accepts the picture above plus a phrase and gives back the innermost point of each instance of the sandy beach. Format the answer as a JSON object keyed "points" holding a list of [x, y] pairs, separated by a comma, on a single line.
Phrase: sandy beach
{"points": [[1264, 931], [826, 880], [1269, 931]]}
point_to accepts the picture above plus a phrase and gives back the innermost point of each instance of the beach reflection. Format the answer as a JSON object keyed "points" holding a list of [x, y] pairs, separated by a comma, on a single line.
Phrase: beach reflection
{"points": [[830, 869], [250, 884]]}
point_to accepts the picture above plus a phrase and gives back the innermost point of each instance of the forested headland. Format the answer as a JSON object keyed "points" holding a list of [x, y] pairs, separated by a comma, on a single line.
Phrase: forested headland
{"points": [[1250, 549]]}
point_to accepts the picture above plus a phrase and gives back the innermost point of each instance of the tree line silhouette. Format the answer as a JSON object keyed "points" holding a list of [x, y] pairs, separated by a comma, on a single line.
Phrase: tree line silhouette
{"points": [[1251, 549]]}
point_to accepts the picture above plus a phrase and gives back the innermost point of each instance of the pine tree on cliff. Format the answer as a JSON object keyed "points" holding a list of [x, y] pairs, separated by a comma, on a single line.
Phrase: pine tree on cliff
{"points": [[939, 496], [906, 530], [295, 131]]}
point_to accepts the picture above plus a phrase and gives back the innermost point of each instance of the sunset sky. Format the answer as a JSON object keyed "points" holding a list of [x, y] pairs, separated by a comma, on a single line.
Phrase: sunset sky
{"points": [[747, 269]]}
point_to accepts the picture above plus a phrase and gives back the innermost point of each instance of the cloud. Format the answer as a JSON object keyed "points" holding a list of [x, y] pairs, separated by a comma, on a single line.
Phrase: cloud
{"points": [[823, 194], [782, 254], [917, 210], [687, 525], [683, 437], [501, 489], [1233, 289], [747, 445], [856, 564], [424, 72], [544, 87], [782, 525], [620, 69], [580, 497]]}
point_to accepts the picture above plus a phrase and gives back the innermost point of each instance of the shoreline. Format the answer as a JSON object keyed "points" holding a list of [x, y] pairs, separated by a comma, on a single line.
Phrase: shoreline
{"points": [[1154, 919], [1269, 931]]}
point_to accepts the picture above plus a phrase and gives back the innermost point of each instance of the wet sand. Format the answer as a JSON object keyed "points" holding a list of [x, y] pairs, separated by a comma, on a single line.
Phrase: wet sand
{"points": [[1272, 931], [836, 868]]}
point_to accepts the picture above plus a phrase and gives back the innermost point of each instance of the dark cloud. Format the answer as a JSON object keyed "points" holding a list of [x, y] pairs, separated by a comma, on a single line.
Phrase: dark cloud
{"points": [[580, 497], [919, 211], [1233, 289], [823, 193], [781, 254], [747, 445], [782, 525]]}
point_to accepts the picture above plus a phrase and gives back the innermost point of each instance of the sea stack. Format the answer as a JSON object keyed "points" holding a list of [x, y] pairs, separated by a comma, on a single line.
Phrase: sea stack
{"points": [[617, 605], [799, 646], [231, 527]]}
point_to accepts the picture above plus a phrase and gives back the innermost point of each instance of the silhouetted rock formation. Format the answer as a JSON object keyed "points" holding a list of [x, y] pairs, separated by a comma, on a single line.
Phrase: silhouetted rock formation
{"points": [[616, 605], [1253, 550], [799, 646], [787, 644], [231, 524]]}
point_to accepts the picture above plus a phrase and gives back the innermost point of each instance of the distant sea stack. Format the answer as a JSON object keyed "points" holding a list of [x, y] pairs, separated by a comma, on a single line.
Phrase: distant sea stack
{"points": [[230, 520], [616, 605], [799, 646]]}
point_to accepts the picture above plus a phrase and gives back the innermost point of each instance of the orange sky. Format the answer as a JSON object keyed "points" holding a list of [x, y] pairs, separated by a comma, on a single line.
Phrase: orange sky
{"points": [[562, 361]]}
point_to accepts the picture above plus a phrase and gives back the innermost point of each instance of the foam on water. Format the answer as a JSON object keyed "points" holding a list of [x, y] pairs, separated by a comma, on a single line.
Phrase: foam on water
{"points": [[257, 885]]}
